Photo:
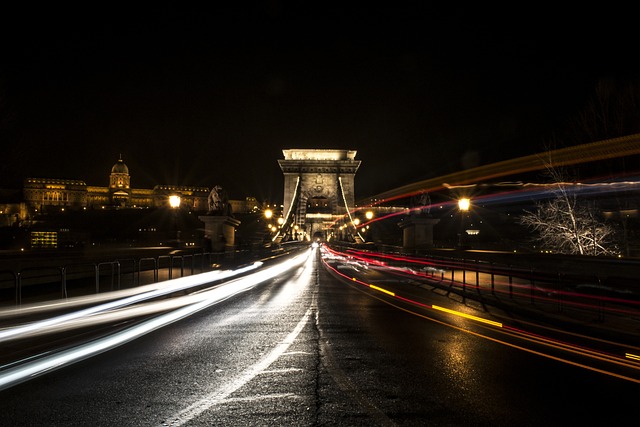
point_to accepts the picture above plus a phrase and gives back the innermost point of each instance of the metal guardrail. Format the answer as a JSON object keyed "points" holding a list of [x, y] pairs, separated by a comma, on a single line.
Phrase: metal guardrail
{"points": [[47, 283], [100, 276], [584, 290], [21, 277]]}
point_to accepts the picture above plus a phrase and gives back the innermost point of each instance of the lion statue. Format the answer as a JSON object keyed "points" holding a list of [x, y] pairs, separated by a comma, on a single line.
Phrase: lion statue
{"points": [[219, 202]]}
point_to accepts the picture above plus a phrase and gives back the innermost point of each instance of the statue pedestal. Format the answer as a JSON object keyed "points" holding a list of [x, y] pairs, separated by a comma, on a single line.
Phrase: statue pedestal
{"points": [[417, 233], [220, 232]]}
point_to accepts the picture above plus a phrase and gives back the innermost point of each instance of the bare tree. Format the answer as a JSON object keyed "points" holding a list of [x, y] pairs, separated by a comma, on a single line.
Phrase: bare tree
{"points": [[569, 225], [567, 222]]}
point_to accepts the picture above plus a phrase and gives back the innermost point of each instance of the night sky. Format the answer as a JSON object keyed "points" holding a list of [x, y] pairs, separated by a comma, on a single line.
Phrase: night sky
{"points": [[208, 96]]}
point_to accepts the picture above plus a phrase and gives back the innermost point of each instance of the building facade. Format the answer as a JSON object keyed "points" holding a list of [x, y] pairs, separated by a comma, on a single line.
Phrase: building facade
{"points": [[35, 211], [52, 194]]}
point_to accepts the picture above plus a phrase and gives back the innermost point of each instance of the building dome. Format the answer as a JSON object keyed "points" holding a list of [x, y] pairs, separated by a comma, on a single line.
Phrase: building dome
{"points": [[120, 167]]}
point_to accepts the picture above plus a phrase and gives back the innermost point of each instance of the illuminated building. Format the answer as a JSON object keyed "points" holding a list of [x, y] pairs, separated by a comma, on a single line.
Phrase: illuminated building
{"points": [[42, 194], [38, 207], [46, 194]]}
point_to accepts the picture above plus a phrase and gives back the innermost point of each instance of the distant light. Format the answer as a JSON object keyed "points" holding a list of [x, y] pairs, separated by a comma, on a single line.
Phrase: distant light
{"points": [[174, 201], [369, 215], [464, 204], [268, 213]]}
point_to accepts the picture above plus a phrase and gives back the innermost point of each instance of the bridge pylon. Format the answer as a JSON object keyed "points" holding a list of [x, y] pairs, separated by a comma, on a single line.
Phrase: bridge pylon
{"points": [[318, 191]]}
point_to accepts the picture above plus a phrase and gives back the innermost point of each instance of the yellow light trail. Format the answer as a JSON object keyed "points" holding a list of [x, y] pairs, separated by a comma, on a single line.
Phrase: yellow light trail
{"points": [[519, 347], [595, 151], [467, 316], [382, 290], [511, 332]]}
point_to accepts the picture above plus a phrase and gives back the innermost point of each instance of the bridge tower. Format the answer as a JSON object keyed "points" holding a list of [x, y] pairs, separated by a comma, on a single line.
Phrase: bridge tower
{"points": [[318, 188]]}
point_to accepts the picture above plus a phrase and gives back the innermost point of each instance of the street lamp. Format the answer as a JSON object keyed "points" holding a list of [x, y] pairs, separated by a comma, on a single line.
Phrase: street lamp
{"points": [[174, 202], [463, 206], [369, 215]]}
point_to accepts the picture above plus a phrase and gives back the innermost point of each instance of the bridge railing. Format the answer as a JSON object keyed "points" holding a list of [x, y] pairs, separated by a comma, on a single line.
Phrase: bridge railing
{"points": [[37, 284], [568, 283]]}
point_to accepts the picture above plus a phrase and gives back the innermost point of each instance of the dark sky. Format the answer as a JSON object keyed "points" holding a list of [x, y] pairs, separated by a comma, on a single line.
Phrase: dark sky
{"points": [[211, 95]]}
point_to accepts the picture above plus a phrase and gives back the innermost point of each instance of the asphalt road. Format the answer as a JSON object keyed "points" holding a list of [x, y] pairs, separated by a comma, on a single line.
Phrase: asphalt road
{"points": [[313, 346]]}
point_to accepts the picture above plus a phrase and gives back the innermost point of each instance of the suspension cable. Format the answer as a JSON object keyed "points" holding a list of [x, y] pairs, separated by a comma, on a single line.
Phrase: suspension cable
{"points": [[344, 199], [286, 217]]}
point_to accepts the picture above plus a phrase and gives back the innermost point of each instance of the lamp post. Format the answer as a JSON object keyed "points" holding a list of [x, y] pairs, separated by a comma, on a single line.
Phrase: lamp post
{"points": [[463, 206], [356, 224], [280, 222], [174, 202]]}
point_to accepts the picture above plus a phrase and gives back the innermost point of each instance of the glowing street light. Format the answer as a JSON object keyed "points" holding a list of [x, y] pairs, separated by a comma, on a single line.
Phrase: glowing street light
{"points": [[369, 215], [463, 206], [174, 201], [268, 213]]}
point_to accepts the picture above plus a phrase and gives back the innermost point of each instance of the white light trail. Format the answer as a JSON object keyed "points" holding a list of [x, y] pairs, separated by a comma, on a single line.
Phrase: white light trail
{"points": [[21, 372], [170, 286]]}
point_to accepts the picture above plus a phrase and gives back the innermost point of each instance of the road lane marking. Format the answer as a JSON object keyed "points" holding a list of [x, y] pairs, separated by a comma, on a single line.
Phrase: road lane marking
{"points": [[258, 397], [281, 371], [219, 396]]}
